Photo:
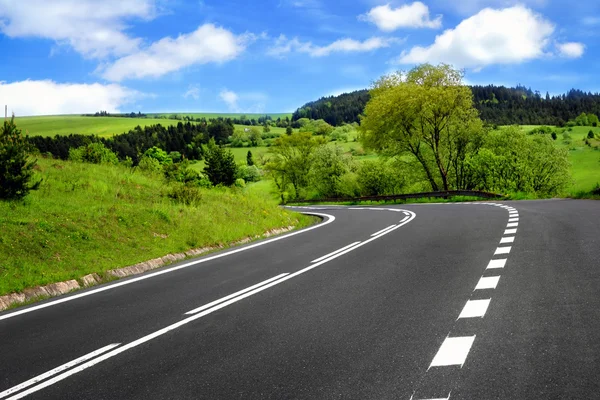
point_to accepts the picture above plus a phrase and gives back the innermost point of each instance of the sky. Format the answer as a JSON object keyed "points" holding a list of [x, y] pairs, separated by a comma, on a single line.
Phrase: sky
{"points": [[83, 56]]}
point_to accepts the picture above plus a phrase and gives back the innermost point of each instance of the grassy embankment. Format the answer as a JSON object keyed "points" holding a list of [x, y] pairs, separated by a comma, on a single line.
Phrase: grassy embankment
{"points": [[91, 218]]}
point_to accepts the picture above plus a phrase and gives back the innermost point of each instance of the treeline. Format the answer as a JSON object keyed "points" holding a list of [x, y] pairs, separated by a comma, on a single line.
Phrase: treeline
{"points": [[186, 138], [497, 105], [118, 115]]}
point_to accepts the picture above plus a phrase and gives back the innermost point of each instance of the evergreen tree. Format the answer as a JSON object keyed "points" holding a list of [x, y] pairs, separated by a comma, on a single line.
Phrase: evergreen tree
{"points": [[249, 159], [15, 171], [220, 165]]}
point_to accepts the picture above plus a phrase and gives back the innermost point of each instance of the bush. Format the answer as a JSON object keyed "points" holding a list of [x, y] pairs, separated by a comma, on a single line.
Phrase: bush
{"points": [[240, 183], [182, 173], [554, 136], [590, 134], [149, 164], [185, 194], [379, 178], [158, 154], [248, 173], [15, 171], [93, 153]]}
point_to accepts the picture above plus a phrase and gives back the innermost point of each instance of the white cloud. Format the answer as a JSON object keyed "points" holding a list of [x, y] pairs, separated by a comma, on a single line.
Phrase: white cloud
{"points": [[247, 102], [193, 92], [93, 28], [571, 49], [284, 46], [207, 44], [508, 36], [415, 15], [230, 98], [48, 98]]}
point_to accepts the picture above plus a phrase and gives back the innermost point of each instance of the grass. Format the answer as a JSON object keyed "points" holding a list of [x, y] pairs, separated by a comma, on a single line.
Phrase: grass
{"points": [[91, 218], [67, 124], [274, 116]]}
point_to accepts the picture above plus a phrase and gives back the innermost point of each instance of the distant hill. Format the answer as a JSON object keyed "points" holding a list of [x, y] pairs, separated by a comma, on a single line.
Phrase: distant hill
{"points": [[496, 104]]}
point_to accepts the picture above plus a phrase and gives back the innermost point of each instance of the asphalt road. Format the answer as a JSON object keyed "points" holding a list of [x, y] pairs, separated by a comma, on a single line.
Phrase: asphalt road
{"points": [[460, 301]]}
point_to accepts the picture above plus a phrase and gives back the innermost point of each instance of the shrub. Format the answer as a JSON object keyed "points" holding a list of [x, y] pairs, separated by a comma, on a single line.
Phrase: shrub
{"points": [[554, 136], [15, 171], [590, 134], [239, 182], [149, 164], [248, 173], [249, 159], [158, 154], [379, 178], [93, 153], [185, 194]]}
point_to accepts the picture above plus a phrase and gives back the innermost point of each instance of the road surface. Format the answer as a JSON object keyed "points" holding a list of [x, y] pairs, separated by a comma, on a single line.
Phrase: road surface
{"points": [[460, 301]]}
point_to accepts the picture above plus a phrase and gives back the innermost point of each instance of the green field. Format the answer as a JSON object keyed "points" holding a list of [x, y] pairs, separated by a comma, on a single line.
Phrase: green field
{"points": [[88, 218], [224, 115], [585, 160], [67, 124]]}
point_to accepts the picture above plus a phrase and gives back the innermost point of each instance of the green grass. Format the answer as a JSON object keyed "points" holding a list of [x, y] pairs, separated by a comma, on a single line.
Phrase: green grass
{"points": [[274, 116], [91, 218], [67, 124]]}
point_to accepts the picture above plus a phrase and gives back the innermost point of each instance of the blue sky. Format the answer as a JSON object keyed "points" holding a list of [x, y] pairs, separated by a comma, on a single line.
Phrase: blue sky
{"points": [[76, 56]]}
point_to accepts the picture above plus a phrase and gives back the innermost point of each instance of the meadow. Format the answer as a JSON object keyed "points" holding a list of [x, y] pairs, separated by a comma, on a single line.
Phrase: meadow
{"points": [[88, 218], [223, 115]]}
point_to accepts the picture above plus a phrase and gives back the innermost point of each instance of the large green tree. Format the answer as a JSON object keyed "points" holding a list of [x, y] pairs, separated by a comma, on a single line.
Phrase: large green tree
{"points": [[220, 165], [16, 171], [427, 114]]}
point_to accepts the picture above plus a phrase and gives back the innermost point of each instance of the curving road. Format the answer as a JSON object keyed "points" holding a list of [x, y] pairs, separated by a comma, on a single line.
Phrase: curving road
{"points": [[433, 301]]}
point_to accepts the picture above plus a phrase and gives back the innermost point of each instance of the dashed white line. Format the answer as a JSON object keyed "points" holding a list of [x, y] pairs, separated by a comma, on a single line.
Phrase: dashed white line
{"points": [[335, 252], [494, 264], [510, 231], [453, 351], [487, 282], [57, 370], [513, 220], [222, 299], [512, 224], [507, 239], [475, 309], [502, 250]]}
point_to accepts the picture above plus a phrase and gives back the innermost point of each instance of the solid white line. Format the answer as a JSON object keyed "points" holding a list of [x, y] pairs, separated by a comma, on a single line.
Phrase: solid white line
{"points": [[496, 264], [383, 230], [56, 370], [330, 219], [213, 303], [335, 252], [510, 231], [513, 220], [453, 351], [176, 325], [502, 250], [437, 398], [475, 309], [407, 214], [487, 282], [405, 218], [512, 224], [508, 239]]}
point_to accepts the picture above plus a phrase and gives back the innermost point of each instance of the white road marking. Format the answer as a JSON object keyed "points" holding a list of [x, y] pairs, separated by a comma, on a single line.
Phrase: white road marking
{"points": [[475, 309], [405, 218], [513, 214], [222, 299], [454, 351], [510, 231], [487, 282], [383, 230], [330, 219], [407, 214], [508, 239], [335, 252], [512, 224], [57, 370], [502, 250], [436, 398], [496, 264], [513, 220]]}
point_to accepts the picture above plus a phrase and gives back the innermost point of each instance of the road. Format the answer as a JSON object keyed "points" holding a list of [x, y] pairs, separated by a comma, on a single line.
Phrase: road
{"points": [[460, 301]]}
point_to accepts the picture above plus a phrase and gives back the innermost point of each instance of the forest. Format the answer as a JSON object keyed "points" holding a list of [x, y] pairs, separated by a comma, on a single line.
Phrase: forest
{"points": [[497, 105]]}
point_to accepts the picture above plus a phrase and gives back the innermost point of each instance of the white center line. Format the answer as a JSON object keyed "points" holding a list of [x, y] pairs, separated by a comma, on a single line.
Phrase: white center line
{"points": [[384, 230], [513, 220], [475, 309], [454, 351], [487, 282], [502, 250], [57, 370], [496, 264], [222, 299], [335, 252], [508, 239], [510, 231], [512, 224]]}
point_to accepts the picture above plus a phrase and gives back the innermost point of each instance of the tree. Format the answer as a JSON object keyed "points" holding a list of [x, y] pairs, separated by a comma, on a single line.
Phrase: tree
{"points": [[289, 130], [220, 130], [220, 165], [249, 159], [328, 166], [255, 137], [16, 171], [427, 114], [290, 164], [590, 134]]}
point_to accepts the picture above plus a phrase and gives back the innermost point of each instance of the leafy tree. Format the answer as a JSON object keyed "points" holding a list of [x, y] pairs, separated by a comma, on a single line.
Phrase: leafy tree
{"points": [[255, 137], [16, 171], [249, 159], [289, 130], [290, 161], [220, 165], [427, 114], [328, 165], [379, 177], [318, 127], [266, 128], [94, 153], [158, 154]]}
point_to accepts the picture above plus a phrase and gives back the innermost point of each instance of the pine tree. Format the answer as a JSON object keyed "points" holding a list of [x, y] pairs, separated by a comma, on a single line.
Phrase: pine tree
{"points": [[220, 165], [15, 171], [249, 159]]}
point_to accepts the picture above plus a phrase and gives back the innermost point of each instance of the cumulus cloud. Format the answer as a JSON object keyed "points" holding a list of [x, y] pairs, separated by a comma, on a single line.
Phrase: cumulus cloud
{"points": [[193, 92], [246, 102], [230, 98], [507, 36], [415, 15], [206, 44], [284, 46], [570, 50], [93, 28], [47, 97]]}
